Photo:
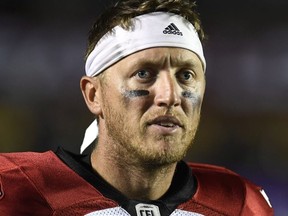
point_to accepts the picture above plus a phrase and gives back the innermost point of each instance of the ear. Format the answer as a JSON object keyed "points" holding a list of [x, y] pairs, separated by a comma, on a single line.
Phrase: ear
{"points": [[90, 87]]}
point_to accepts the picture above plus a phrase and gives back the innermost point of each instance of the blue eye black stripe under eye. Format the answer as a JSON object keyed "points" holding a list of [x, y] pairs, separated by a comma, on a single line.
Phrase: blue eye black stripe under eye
{"points": [[187, 94], [140, 93]]}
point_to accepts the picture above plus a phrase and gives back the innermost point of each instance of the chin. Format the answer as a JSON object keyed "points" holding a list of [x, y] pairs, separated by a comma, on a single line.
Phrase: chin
{"points": [[163, 156]]}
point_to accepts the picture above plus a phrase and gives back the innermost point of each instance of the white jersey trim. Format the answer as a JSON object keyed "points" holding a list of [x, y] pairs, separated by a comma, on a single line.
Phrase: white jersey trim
{"points": [[179, 212], [110, 212], [118, 211], [265, 197]]}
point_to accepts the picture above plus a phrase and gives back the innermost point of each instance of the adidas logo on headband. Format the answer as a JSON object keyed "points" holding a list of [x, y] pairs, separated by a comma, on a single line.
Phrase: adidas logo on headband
{"points": [[172, 29]]}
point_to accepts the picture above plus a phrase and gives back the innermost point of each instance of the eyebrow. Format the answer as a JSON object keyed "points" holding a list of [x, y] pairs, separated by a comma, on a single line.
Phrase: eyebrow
{"points": [[185, 61], [175, 62]]}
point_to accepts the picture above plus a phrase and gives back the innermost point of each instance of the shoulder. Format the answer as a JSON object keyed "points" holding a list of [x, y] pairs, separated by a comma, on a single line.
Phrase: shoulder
{"points": [[19, 176], [31, 167], [41, 182], [228, 191], [9, 160], [40, 169]]}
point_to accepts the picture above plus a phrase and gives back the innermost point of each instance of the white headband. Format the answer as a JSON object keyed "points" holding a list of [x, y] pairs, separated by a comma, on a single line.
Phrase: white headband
{"points": [[157, 29]]}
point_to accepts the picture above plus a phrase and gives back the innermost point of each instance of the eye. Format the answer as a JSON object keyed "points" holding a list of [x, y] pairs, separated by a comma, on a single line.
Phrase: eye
{"points": [[143, 74], [186, 75]]}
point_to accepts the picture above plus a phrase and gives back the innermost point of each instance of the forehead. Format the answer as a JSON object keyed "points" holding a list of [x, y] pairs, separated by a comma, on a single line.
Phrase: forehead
{"points": [[175, 57]]}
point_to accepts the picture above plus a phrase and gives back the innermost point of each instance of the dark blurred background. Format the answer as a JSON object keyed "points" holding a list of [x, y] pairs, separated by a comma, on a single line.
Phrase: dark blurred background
{"points": [[244, 123]]}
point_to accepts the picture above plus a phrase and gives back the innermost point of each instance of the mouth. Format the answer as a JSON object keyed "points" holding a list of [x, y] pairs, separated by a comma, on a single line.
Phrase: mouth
{"points": [[166, 123]]}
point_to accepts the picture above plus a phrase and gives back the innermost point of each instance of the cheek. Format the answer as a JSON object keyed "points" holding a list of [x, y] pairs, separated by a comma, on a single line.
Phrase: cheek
{"points": [[130, 94], [112, 100], [136, 100], [192, 100], [192, 97]]}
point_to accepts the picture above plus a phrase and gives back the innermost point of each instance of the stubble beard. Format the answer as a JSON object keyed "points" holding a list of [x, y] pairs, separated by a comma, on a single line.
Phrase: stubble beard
{"points": [[130, 146]]}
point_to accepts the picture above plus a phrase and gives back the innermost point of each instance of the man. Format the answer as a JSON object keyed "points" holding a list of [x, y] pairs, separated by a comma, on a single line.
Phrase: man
{"points": [[145, 84]]}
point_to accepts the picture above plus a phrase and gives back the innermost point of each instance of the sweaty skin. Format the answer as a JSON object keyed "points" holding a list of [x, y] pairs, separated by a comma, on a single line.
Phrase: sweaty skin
{"points": [[148, 106]]}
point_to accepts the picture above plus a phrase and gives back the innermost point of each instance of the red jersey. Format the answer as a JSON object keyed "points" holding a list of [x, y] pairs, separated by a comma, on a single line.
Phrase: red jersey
{"points": [[62, 184]]}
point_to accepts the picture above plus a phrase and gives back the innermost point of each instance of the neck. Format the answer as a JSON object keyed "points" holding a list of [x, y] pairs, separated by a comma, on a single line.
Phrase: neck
{"points": [[134, 180]]}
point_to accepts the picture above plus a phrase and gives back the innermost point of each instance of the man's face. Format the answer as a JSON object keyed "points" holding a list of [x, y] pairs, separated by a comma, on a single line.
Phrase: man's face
{"points": [[151, 103]]}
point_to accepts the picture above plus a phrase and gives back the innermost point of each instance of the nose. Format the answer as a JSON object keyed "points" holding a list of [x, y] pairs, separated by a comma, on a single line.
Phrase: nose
{"points": [[166, 93]]}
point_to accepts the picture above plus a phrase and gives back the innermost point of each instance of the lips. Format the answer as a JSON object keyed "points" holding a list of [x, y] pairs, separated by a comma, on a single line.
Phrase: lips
{"points": [[166, 121]]}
